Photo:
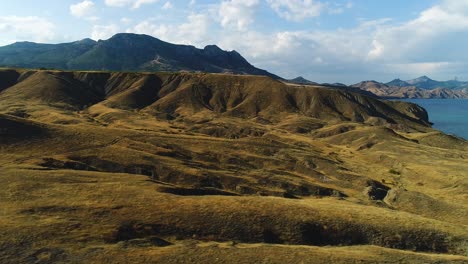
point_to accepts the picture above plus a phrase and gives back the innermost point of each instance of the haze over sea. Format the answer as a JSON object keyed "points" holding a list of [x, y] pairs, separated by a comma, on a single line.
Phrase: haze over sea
{"points": [[448, 115]]}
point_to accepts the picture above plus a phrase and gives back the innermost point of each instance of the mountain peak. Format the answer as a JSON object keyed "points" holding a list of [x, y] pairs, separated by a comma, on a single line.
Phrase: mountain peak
{"points": [[397, 82], [86, 41], [301, 80], [212, 47], [213, 50], [130, 36], [423, 78], [127, 35], [423, 82]]}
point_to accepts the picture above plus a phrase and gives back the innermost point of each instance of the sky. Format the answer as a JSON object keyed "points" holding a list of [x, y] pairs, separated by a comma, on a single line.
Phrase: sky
{"points": [[330, 41]]}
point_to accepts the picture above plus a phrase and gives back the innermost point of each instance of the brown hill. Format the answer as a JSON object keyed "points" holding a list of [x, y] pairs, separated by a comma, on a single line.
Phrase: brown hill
{"points": [[185, 94], [176, 167]]}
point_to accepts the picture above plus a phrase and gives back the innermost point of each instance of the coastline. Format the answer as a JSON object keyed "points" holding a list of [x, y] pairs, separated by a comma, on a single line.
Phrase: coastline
{"points": [[447, 115]]}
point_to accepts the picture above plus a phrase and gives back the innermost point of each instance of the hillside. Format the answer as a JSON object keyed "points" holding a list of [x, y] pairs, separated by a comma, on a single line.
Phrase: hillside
{"points": [[126, 52], [106, 167]]}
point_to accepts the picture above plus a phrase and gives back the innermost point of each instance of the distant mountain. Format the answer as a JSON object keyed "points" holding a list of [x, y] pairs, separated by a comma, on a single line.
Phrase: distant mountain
{"points": [[335, 84], [301, 80], [411, 91], [420, 80], [398, 82], [424, 82], [339, 84], [427, 83], [304, 81], [126, 52]]}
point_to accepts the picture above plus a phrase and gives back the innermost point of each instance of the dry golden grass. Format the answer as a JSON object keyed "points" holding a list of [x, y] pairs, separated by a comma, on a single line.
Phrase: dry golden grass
{"points": [[185, 172]]}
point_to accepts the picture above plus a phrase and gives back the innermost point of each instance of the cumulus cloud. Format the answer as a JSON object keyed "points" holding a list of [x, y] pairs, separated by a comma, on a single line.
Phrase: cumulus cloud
{"points": [[167, 5], [134, 4], [104, 31], [296, 10], [432, 43], [237, 14], [118, 3], [82, 9], [437, 34], [126, 20], [195, 31], [299, 10], [338, 8], [28, 28]]}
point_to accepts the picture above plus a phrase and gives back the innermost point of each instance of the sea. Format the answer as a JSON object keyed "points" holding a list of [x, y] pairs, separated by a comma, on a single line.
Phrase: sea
{"points": [[448, 115]]}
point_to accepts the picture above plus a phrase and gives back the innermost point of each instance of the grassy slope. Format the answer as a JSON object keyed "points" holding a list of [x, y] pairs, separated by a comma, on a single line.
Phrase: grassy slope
{"points": [[56, 208]]}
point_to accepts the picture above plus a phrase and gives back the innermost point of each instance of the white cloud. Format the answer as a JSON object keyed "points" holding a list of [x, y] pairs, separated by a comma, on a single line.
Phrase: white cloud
{"points": [[427, 37], [237, 14], [118, 3], [82, 9], [29, 28], [126, 20], [434, 41], [134, 4], [167, 5], [296, 10], [418, 69], [377, 49], [139, 3], [104, 31], [195, 31], [337, 8]]}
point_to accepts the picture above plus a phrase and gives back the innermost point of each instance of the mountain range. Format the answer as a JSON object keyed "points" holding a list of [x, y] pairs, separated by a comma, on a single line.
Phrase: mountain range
{"points": [[422, 87], [126, 52], [140, 53], [427, 83]]}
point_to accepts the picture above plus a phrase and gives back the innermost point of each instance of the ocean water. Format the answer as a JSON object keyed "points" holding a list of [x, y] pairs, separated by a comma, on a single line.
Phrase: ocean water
{"points": [[448, 115]]}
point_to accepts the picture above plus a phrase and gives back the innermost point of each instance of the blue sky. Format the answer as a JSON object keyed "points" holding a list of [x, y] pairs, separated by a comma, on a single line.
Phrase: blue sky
{"points": [[326, 41]]}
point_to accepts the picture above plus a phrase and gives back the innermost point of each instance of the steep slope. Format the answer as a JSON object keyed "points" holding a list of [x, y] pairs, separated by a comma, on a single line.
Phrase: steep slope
{"points": [[126, 52]]}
